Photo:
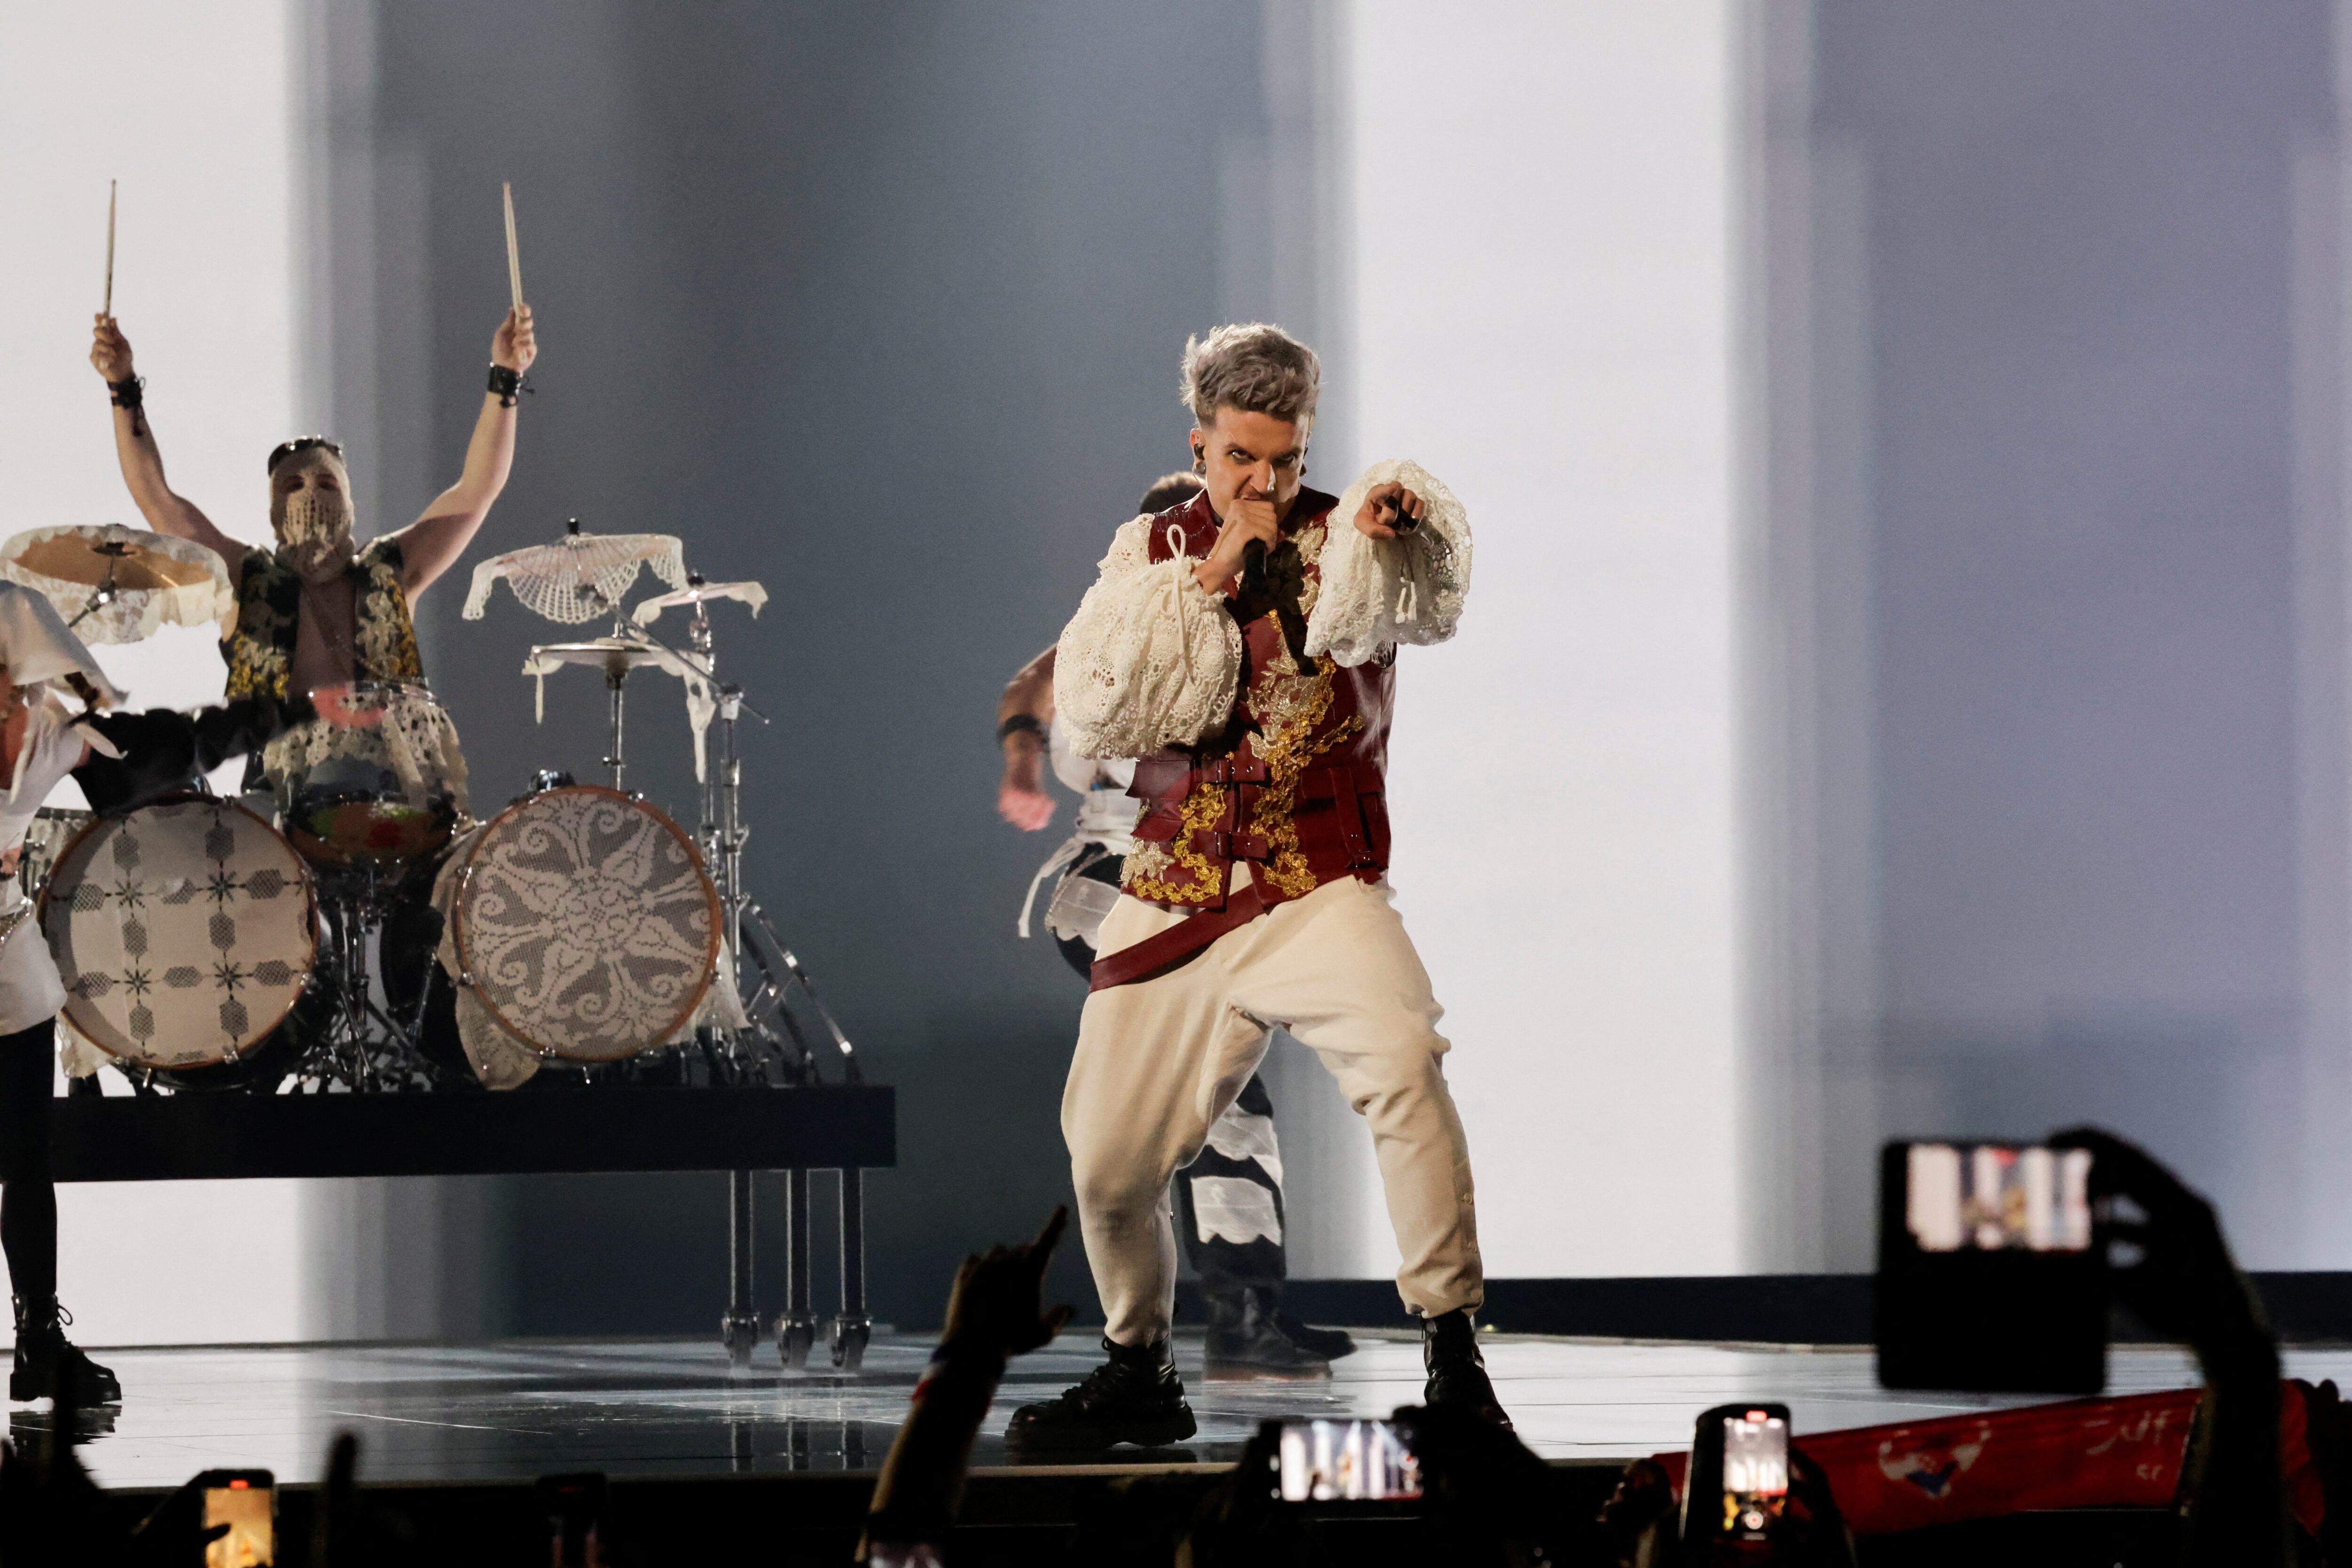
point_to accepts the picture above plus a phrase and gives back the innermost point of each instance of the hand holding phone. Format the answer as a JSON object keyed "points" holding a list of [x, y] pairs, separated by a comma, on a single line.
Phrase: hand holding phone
{"points": [[1991, 1278], [1346, 1461], [2184, 1283], [1737, 1485], [575, 1506], [243, 1504]]}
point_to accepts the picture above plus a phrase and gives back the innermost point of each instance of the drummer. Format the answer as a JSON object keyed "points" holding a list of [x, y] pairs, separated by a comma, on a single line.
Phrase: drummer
{"points": [[319, 611]]}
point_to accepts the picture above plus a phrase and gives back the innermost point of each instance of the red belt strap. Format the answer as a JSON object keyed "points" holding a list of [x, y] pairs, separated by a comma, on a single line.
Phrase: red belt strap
{"points": [[1155, 955]]}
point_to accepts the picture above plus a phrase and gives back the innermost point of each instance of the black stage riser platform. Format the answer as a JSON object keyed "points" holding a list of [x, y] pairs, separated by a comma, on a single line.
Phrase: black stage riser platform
{"points": [[189, 1137]]}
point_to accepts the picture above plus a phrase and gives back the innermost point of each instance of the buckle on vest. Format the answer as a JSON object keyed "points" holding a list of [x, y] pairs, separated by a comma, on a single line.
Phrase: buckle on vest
{"points": [[1235, 770], [1223, 845]]}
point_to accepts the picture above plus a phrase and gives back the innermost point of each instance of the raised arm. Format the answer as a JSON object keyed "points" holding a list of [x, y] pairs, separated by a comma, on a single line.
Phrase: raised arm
{"points": [[165, 510], [431, 545], [1024, 715], [1399, 573]]}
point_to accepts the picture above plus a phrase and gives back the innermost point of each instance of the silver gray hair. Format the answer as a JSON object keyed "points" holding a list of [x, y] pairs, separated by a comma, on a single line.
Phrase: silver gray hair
{"points": [[1253, 366]]}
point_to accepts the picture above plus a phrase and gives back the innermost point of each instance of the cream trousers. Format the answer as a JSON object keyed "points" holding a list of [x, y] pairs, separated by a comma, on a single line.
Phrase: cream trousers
{"points": [[1160, 1060]]}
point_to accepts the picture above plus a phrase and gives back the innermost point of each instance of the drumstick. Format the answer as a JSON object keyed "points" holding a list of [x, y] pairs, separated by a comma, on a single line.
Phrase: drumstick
{"points": [[110, 250], [514, 254]]}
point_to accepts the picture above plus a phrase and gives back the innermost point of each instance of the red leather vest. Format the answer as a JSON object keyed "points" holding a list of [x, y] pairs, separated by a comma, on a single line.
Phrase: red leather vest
{"points": [[1295, 783]]}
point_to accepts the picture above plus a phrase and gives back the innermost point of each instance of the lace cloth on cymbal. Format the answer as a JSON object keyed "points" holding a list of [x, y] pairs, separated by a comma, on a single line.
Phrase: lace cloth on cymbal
{"points": [[580, 576], [701, 703], [181, 583]]}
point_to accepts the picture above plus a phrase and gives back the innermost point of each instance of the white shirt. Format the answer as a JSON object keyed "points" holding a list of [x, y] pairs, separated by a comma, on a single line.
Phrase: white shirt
{"points": [[30, 990]]}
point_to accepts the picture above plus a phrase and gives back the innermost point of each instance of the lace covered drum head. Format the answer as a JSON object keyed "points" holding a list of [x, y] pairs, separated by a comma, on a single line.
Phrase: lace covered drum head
{"points": [[183, 932], [584, 923]]}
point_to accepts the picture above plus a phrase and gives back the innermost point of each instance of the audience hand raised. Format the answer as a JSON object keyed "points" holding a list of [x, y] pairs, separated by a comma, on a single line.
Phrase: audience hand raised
{"points": [[997, 1305], [2184, 1281]]}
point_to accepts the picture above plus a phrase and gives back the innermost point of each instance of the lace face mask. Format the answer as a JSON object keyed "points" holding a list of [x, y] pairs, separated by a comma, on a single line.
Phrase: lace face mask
{"points": [[314, 530]]}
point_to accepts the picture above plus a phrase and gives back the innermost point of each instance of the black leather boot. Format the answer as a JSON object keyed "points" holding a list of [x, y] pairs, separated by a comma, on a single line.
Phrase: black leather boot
{"points": [[44, 1355], [1457, 1373], [1246, 1339], [1329, 1343], [1133, 1397]]}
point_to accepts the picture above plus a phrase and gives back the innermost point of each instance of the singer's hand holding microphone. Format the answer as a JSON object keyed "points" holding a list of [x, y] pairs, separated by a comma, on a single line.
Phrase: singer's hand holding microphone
{"points": [[1250, 521]]}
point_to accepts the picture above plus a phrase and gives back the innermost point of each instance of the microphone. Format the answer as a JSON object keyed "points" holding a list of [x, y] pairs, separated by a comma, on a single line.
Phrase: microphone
{"points": [[1253, 554]]}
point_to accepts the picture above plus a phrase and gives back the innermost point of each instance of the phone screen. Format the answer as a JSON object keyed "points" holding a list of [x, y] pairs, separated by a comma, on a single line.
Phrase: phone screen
{"points": [[1346, 1461], [250, 1512], [1991, 1277], [1990, 1197], [1755, 1473]]}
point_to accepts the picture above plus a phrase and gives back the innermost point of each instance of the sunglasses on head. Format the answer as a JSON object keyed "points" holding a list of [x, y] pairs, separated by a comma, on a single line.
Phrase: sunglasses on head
{"points": [[300, 443]]}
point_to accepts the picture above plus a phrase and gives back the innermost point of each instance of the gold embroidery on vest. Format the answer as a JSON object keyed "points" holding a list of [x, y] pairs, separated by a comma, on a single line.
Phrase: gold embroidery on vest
{"points": [[1203, 808], [1287, 747]]}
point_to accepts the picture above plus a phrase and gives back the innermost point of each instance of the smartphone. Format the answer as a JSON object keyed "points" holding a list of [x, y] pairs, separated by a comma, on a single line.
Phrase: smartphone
{"points": [[1345, 1461], [1991, 1274], [1737, 1485], [247, 1501], [575, 1506]]}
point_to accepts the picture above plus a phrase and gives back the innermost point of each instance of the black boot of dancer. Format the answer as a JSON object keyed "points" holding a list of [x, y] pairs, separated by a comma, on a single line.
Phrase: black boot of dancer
{"points": [[1457, 1373], [1246, 1338], [1133, 1397], [44, 1355]]}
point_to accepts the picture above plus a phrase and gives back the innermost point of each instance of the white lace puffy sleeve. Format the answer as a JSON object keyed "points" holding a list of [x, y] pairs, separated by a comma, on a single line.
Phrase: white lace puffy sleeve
{"points": [[1378, 593], [1150, 660]]}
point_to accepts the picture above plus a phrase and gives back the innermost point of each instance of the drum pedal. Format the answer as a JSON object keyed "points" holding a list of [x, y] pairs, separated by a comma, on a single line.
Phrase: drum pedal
{"points": [[849, 1339], [795, 1338]]}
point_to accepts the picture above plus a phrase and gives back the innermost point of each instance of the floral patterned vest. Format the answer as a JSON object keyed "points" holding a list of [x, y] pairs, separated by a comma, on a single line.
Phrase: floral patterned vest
{"points": [[1295, 782], [260, 651]]}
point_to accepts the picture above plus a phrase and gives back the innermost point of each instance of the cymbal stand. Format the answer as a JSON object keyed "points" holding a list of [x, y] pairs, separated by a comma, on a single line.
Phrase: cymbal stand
{"points": [[106, 591], [617, 676], [747, 1053]]}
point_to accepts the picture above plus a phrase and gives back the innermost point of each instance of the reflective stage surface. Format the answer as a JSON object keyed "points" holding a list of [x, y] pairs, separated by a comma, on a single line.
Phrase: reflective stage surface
{"points": [[668, 1407]]}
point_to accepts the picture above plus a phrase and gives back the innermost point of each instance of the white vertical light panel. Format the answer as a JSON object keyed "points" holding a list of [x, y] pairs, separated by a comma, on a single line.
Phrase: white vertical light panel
{"points": [[1538, 249], [188, 106]]}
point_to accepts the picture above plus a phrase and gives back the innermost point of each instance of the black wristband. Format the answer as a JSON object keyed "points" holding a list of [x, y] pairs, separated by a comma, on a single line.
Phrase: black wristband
{"points": [[506, 383], [128, 393], [1018, 724]]}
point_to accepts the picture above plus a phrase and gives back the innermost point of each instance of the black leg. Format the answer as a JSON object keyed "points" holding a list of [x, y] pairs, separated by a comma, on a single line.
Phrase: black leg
{"points": [[796, 1328], [740, 1329], [854, 1327]]}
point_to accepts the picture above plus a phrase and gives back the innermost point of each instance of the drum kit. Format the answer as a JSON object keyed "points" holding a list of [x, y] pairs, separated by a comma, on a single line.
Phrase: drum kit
{"points": [[356, 929]]}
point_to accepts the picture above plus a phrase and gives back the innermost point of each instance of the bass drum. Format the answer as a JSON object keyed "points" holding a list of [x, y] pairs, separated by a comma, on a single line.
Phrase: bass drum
{"points": [[184, 933], [583, 925]]}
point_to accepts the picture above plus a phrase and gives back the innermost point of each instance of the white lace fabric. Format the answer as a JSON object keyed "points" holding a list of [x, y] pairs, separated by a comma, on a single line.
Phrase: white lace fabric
{"points": [[578, 577], [1150, 660], [415, 741], [1379, 592], [179, 583]]}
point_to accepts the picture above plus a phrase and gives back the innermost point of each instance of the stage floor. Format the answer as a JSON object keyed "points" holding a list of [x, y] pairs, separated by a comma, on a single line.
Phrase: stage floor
{"points": [[508, 1411]]}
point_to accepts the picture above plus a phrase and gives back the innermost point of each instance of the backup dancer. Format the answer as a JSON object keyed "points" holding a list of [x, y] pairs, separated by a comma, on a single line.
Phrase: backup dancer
{"points": [[121, 761], [1243, 646], [1230, 1199]]}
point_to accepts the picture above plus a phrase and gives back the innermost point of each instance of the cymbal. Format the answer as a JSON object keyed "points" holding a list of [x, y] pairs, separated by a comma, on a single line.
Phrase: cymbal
{"points": [[607, 654], [116, 585], [747, 593]]}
